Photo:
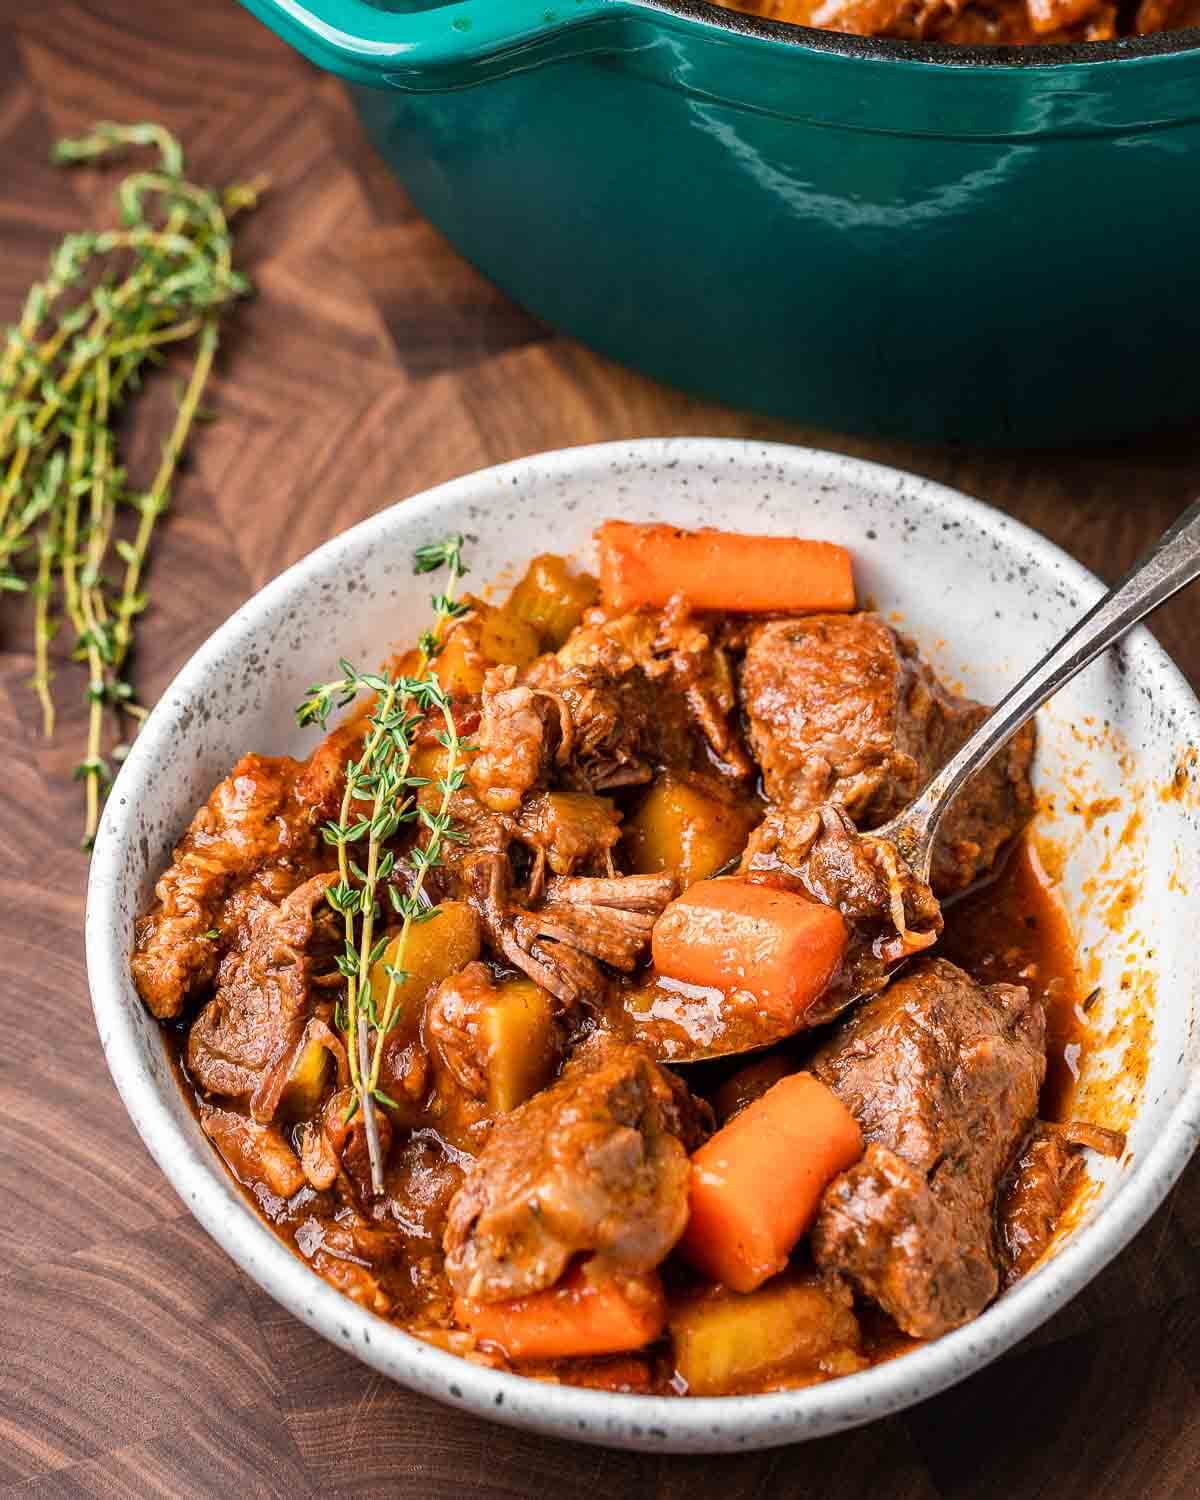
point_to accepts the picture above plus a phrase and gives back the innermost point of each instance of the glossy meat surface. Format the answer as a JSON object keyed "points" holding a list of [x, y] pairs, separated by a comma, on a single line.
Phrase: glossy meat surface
{"points": [[598, 1162], [1043, 1179], [843, 709], [253, 822], [942, 1075], [243, 1042]]}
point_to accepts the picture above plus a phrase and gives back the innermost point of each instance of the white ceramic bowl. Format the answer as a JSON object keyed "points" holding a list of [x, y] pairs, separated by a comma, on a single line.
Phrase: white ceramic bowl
{"points": [[983, 595]]}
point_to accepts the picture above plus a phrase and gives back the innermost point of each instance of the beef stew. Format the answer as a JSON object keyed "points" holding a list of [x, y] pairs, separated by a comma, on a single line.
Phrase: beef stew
{"points": [[613, 837]]}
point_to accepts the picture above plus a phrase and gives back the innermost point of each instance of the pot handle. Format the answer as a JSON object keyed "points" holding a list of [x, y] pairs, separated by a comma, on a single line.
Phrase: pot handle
{"points": [[442, 46]]}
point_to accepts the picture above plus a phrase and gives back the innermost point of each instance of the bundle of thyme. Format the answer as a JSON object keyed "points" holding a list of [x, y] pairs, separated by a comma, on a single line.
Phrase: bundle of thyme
{"points": [[380, 799], [110, 304]]}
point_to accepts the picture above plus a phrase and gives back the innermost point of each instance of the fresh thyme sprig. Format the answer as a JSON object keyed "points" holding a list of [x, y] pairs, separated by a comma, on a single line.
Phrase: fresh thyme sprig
{"points": [[109, 305], [380, 799]]}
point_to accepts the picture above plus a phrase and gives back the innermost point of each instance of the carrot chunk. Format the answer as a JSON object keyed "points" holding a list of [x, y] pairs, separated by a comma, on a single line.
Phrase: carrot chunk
{"points": [[648, 564], [588, 1312], [757, 1183], [730, 934]]}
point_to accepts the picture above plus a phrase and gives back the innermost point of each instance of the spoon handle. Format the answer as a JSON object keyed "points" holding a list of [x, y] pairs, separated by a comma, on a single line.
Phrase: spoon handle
{"points": [[1172, 562]]}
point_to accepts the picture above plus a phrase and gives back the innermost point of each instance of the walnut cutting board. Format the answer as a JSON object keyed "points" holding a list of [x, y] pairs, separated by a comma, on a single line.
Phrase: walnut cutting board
{"points": [[134, 1358]]}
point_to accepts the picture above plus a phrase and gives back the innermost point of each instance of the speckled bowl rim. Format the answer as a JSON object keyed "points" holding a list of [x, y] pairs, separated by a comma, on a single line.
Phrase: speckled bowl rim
{"points": [[628, 1421]]}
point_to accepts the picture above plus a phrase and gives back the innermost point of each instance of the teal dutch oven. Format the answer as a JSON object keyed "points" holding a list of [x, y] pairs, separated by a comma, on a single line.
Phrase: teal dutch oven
{"points": [[993, 245]]}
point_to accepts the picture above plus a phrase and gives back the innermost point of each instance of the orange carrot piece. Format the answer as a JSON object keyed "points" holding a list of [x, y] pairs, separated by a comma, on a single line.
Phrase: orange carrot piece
{"points": [[586, 1313], [648, 564], [731, 934], [756, 1184]]}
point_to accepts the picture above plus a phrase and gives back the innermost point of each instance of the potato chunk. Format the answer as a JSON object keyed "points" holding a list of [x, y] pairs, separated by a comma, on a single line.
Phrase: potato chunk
{"points": [[505, 640], [460, 665], [435, 949], [688, 828], [796, 1329], [552, 600], [521, 1050], [305, 1089], [487, 637]]}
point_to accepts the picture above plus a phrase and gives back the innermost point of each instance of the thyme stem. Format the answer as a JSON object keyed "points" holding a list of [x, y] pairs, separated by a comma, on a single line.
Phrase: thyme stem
{"points": [[155, 500], [111, 303], [380, 779]]}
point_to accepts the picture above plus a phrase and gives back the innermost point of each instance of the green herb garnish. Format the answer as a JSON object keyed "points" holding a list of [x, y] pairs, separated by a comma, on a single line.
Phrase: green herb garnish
{"points": [[380, 799], [110, 304]]}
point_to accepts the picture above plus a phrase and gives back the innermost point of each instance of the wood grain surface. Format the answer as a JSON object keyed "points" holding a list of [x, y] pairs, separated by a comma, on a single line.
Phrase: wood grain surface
{"points": [[134, 1358]]}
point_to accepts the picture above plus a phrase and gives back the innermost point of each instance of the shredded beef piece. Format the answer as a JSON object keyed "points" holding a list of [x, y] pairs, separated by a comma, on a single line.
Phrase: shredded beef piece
{"points": [[558, 942], [1040, 1186], [569, 832], [623, 729], [862, 877], [597, 1162], [1042, 1181], [691, 679], [244, 1042], [252, 822], [522, 731], [1098, 1138], [566, 832], [842, 709], [943, 1077]]}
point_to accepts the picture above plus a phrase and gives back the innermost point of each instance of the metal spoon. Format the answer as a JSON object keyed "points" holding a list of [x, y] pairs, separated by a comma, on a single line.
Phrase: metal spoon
{"points": [[684, 1027], [1172, 563]]}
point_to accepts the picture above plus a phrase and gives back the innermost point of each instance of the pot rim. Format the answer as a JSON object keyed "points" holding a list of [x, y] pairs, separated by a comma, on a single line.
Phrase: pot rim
{"points": [[462, 42], [957, 55]]}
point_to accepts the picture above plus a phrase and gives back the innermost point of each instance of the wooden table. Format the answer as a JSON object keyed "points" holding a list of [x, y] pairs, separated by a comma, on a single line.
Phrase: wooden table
{"points": [[134, 1358]]}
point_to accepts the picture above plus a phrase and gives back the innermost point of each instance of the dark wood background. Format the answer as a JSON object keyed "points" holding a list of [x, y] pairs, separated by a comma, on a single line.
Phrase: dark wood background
{"points": [[134, 1358]]}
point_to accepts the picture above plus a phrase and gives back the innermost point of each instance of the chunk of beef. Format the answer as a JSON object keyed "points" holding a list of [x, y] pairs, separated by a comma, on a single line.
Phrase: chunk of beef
{"points": [[1002, 22], [842, 709], [891, 914], [452, 1027], [321, 783], [977, 22], [1042, 1181], [569, 832], [990, 810], [244, 1042], [943, 1077], [1040, 1186], [333, 1145], [910, 19], [258, 1155], [621, 728], [566, 833], [597, 1162], [560, 941], [252, 820], [691, 680], [522, 731]]}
